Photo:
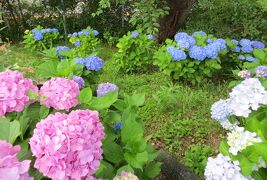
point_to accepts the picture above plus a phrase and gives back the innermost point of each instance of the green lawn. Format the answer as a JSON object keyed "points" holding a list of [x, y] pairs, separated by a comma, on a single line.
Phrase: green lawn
{"points": [[176, 116]]}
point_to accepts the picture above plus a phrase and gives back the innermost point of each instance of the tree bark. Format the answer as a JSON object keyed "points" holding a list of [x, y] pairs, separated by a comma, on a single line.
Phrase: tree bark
{"points": [[171, 23]]}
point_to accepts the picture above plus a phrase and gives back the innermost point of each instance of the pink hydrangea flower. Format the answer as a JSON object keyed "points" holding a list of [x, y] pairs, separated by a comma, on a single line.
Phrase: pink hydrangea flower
{"points": [[59, 93], [14, 90], [10, 167], [68, 146], [126, 176]]}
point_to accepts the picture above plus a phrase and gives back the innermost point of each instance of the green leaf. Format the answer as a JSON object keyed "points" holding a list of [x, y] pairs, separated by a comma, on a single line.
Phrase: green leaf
{"points": [[261, 148], [44, 112], [136, 99], [48, 69], [126, 168], [85, 95], [224, 148], [24, 152], [259, 54], [99, 103], [136, 160], [152, 169], [112, 151], [9, 131], [245, 165], [24, 123], [131, 131], [105, 171]]}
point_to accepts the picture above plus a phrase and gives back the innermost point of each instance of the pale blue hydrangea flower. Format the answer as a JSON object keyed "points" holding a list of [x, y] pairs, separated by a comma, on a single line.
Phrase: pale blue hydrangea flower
{"points": [[105, 88], [197, 53], [134, 34]]}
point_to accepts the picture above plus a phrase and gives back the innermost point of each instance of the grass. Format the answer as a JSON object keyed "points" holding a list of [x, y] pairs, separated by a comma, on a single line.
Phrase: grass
{"points": [[176, 117]]}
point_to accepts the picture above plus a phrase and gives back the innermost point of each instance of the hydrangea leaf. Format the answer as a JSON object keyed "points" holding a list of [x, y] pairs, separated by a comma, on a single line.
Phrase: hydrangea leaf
{"points": [[104, 102], [152, 169], [259, 54], [9, 131], [224, 148], [126, 168], [44, 112], [112, 151], [48, 69], [131, 131], [136, 100], [136, 160], [85, 95], [105, 171]]}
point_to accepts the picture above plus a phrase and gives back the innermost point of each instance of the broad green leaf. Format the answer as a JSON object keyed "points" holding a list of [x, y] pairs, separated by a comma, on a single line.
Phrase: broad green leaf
{"points": [[85, 95], [136, 160], [48, 69], [245, 165], [24, 123], [44, 112], [105, 171], [259, 54], [131, 131], [126, 168], [112, 151], [136, 100], [100, 103], [9, 131], [152, 169], [224, 148]]}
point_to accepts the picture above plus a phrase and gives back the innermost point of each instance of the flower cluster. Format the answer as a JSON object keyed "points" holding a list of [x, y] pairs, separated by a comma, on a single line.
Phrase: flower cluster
{"points": [[244, 74], [247, 96], [150, 37], [247, 58], [85, 32], [77, 44], [68, 146], [117, 126], [10, 167], [60, 49], [104, 88], [79, 80], [92, 63], [126, 176], [221, 167], [39, 34], [59, 93], [134, 34], [239, 139], [176, 53], [188, 43], [14, 91], [261, 71]]}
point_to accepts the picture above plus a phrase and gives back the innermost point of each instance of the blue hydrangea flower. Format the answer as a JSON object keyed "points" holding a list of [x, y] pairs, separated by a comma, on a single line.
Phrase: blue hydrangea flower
{"points": [[247, 49], [80, 33], [237, 48], [150, 36], [197, 53], [86, 32], [105, 88], [134, 34], [96, 32], [212, 50], [80, 60], [38, 36], [261, 71], [54, 30], [79, 80], [258, 44], [202, 33], [209, 40], [176, 53], [235, 41], [77, 43], [241, 57], [61, 48], [220, 110], [117, 126], [93, 63], [184, 40], [251, 59], [221, 43], [69, 35], [245, 42], [75, 34]]}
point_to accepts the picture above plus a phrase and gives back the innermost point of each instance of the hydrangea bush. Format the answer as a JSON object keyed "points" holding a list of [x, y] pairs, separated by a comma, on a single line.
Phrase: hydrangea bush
{"points": [[199, 56], [85, 42], [67, 138], [243, 152], [135, 51], [190, 57], [39, 38]]}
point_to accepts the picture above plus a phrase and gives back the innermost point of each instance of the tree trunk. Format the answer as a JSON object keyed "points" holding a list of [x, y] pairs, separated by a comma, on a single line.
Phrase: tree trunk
{"points": [[170, 24]]}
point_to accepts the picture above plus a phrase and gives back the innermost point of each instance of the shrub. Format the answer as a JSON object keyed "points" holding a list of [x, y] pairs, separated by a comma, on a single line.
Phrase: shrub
{"points": [[39, 38], [243, 153], [135, 52], [85, 41]]}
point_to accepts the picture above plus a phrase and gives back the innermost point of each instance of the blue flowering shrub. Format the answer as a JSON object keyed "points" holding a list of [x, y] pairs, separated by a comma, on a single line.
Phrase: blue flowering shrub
{"points": [[190, 58], [243, 115], [39, 38], [85, 42], [135, 51]]}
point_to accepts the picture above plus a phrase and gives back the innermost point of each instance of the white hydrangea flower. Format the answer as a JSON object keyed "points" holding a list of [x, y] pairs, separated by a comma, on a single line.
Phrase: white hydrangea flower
{"points": [[239, 139], [247, 96], [221, 168], [220, 110]]}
